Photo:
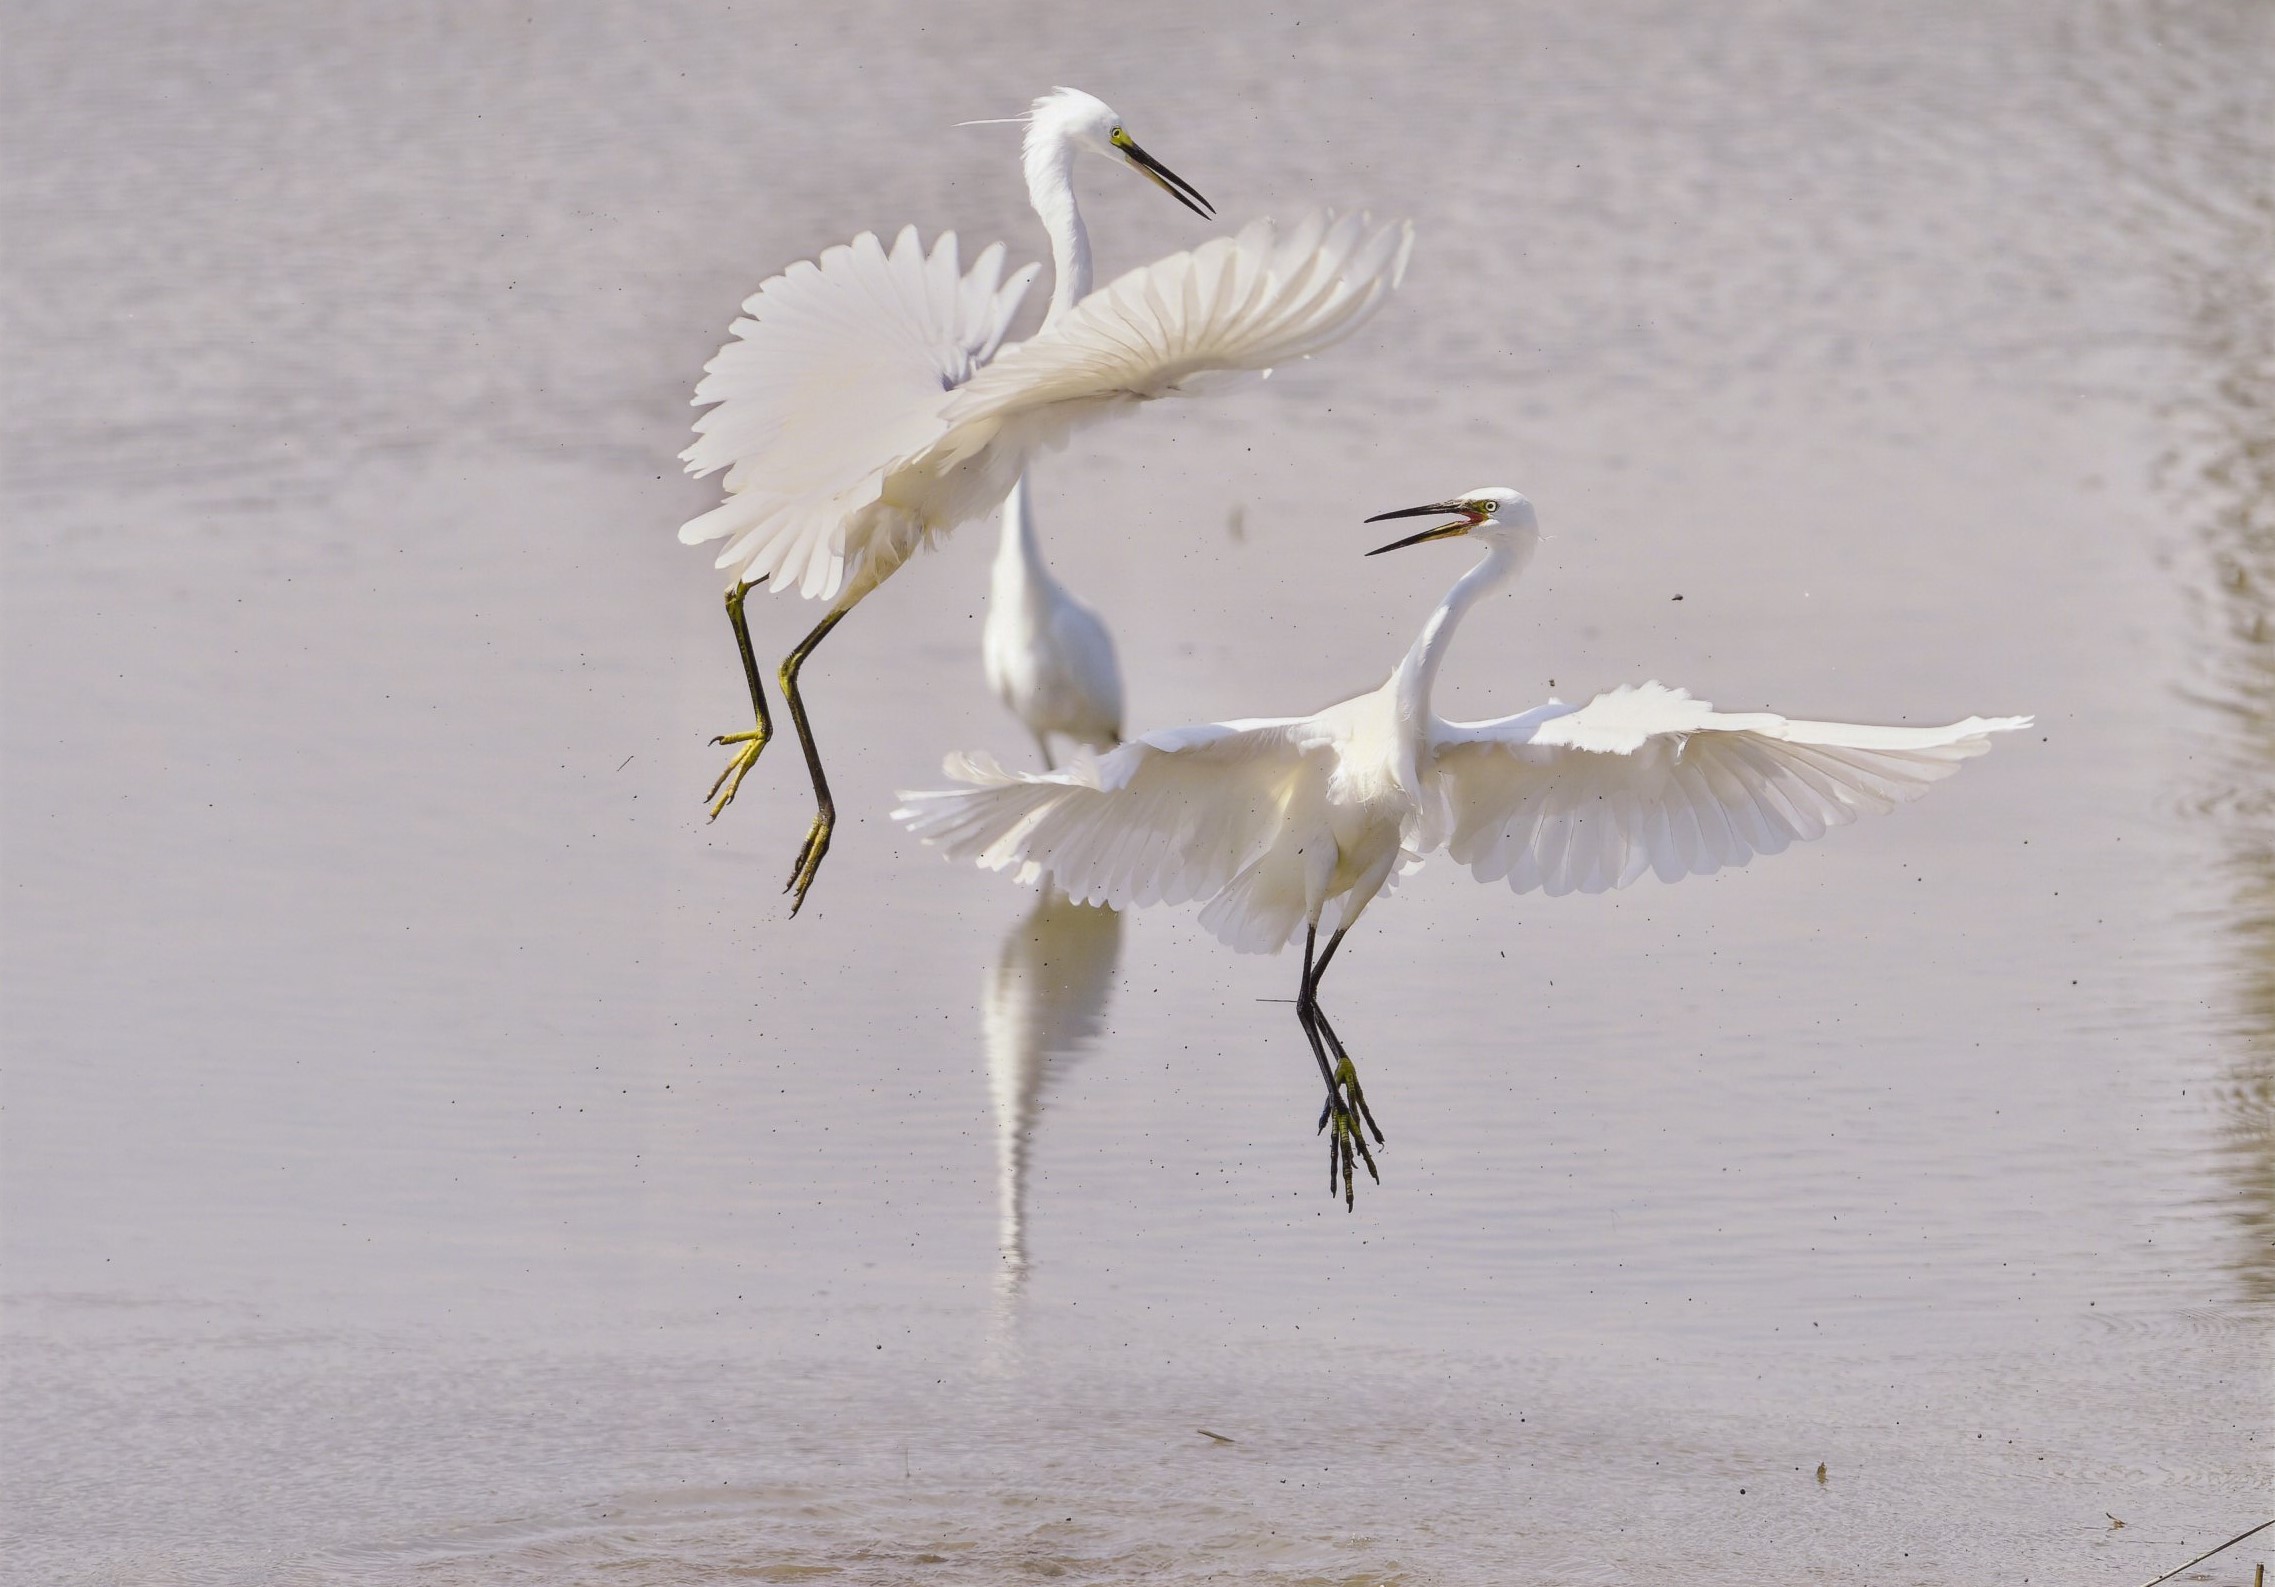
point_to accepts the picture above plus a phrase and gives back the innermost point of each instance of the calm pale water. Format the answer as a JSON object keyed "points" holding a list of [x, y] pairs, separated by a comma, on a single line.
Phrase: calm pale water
{"points": [[431, 1155]]}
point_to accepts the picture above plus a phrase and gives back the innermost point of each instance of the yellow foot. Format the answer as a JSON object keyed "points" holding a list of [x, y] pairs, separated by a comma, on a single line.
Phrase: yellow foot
{"points": [[1348, 1077], [731, 780], [1347, 1145], [809, 861]]}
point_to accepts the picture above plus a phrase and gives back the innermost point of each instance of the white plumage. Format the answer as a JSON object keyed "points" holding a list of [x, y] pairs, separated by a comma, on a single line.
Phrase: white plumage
{"points": [[1049, 658], [1293, 825], [867, 403], [838, 373], [1041, 1002], [1648, 779]]}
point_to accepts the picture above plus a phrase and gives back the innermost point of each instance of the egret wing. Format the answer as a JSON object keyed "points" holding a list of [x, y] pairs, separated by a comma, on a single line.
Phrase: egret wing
{"points": [[1642, 779], [1166, 818], [1242, 303], [836, 375]]}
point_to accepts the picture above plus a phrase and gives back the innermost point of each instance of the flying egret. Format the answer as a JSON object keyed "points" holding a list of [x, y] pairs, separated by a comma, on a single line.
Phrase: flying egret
{"points": [[1294, 824], [1049, 658], [868, 405]]}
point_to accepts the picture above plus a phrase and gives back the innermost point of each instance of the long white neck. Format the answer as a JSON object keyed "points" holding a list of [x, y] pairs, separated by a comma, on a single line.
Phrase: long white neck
{"points": [[1417, 675], [1049, 160], [1019, 569]]}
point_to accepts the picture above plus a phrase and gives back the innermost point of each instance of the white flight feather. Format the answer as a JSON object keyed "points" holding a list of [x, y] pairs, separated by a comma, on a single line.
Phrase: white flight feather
{"points": [[1648, 779], [867, 403]]}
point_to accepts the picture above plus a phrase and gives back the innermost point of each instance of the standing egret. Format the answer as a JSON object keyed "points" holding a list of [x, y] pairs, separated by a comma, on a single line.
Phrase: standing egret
{"points": [[1296, 823], [1049, 658], [868, 405]]}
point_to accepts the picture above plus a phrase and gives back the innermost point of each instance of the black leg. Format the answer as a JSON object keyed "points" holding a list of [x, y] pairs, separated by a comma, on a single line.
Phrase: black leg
{"points": [[809, 859], [1304, 1009], [756, 739], [1347, 1147], [1346, 1071]]}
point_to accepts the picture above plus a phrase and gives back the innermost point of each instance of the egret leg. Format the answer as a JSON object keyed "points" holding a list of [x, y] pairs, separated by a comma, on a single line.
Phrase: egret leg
{"points": [[1345, 1071], [756, 739], [810, 853], [1347, 1147], [1305, 1008], [1043, 743]]}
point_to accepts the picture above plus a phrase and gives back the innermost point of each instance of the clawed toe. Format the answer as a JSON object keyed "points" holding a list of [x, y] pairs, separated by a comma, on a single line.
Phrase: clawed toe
{"points": [[1347, 1145], [1357, 1098], [731, 779], [1345, 1109], [809, 861], [1346, 1149]]}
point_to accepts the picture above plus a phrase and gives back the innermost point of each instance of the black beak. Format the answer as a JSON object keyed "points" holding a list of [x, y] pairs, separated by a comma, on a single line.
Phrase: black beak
{"points": [[1167, 180], [1469, 519]]}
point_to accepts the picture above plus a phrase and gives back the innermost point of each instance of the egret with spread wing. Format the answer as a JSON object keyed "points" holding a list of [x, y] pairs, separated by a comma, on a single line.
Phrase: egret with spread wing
{"points": [[1292, 825], [868, 405], [1049, 658]]}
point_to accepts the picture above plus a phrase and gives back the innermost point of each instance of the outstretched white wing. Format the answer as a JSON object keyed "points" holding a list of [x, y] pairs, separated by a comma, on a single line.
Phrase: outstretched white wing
{"points": [[1166, 818], [1582, 800], [837, 376], [850, 395], [1243, 303]]}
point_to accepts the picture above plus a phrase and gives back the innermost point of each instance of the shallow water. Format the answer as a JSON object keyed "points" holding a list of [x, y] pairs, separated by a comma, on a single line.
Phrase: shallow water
{"points": [[430, 1155]]}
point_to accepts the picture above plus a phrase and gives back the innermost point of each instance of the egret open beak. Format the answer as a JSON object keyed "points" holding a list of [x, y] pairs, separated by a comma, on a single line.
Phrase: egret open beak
{"points": [[1162, 177], [1471, 515]]}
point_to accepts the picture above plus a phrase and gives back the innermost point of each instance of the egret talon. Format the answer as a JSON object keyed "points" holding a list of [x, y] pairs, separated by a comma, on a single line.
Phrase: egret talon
{"points": [[809, 862], [1346, 1073], [1354, 1142], [1354, 1099], [1347, 1146], [732, 778], [1345, 1150]]}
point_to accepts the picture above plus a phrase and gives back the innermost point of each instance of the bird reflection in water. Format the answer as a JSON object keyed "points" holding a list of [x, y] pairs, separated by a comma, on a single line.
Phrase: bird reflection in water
{"points": [[1041, 1002]]}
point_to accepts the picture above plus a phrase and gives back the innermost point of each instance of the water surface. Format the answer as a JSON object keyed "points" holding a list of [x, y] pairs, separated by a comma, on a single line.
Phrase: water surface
{"points": [[431, 1155]]}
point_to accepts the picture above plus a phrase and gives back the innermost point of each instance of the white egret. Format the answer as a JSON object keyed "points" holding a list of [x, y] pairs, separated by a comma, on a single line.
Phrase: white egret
{"points": [[1049, 658], [1295, 824], [868, 405]]}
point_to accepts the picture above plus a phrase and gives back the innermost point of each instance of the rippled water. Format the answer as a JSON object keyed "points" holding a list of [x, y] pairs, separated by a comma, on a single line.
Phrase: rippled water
{"points": [[430, 1155]]}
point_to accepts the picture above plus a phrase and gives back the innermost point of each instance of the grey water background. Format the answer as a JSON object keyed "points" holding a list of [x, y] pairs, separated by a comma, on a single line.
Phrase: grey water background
{"points": [[431, 1156]]}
